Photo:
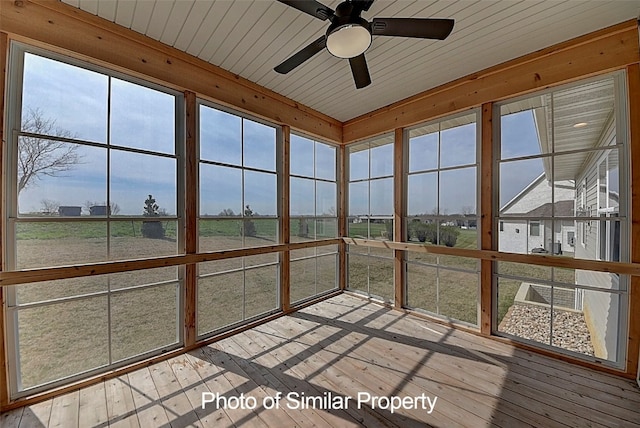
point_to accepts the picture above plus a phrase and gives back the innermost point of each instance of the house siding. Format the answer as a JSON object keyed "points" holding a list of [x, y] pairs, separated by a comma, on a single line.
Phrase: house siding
{"points": [[601, 309]]}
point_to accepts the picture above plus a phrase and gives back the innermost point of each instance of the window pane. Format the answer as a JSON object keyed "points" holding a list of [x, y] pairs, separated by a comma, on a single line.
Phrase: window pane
{"points": [[259, 232], [62, 340], [220, 301], [56, 244], [217, 235], [71, 174], [581, 115], [302, 229], [259, 145], [220, 136], [518, 132], [48, 290], [141, 117], [358, 164], [63, 100], [458, 191], [422, 287], [220, 266], [422, 194], [303, 279], [135, 177], [518, 317], [458, 295], [302, 200], [382, 196], [261, 290], [220, 191], [326, 228], [359, 198], [140, 239], [260, 194], [423, 152], [382, 161], [517, 179], [143, 320], [325, 161], [358, 272], [142, 277], [302, 159], [326, 199], [614, 179], [327, 278], [381, 282], [458, 146]]}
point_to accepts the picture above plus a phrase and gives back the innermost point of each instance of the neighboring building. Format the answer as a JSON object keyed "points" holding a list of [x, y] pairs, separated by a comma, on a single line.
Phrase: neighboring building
{"points": [[525, 235], [98, 210], [69, 211]]}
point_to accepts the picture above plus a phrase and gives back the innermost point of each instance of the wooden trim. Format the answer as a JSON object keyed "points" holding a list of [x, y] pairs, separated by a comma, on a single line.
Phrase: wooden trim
{"points": [[64, 272], [605, 50], [398, 215], [342, 216], [98, 40], [191, 173], [190, 304], [540, 260], [633, 83], [486, 217], [37, 398], [191, 218], [285, 223], [4, 360]]}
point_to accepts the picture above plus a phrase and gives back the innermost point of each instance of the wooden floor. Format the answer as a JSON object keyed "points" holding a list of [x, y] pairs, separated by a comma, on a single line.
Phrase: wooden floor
{"points": [[343, 347]]}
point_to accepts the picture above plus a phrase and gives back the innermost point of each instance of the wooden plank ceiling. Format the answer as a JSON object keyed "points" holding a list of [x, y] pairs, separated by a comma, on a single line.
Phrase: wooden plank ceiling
{"points": [[249, 38]]}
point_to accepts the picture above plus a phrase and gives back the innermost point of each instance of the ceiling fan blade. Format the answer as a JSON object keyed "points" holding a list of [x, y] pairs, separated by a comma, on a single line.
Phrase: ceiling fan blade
{"points": [[312, 7], [360, 71], [425, 28], [302, 55]]}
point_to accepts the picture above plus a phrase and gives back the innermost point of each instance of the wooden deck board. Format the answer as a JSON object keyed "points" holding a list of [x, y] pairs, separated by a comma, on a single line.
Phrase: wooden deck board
{"points": [[343, 346], [527, 391]]}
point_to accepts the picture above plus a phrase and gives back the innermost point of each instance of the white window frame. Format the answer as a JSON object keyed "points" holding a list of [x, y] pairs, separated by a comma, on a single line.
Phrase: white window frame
{"points": [[17, 52]]}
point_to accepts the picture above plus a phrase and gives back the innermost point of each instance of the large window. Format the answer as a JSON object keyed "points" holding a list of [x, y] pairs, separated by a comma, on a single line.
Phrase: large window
{"points": [[442, 182], [371, 216], [560, 163], [238, 209], [314, 216], [91, 162]]}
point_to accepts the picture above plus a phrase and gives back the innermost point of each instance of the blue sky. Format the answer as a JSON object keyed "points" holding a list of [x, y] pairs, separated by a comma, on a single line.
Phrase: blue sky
{"points": [[142, 118]]}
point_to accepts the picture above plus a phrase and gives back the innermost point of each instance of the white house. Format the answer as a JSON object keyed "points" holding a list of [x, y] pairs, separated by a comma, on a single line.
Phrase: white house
{"points": [[531, 228]]}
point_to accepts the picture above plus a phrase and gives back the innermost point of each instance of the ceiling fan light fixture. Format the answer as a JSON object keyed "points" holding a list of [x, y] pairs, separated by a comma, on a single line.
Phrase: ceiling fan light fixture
{"points": [[348, 40]]}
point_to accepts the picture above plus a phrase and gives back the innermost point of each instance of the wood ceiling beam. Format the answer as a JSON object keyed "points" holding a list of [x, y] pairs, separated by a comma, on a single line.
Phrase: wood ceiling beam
{"points": [[609, 49], [75, 32]]}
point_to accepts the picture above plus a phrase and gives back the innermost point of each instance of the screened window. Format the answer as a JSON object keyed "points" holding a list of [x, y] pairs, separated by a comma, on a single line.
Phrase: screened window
{"points": [[559, 166], [238, 200], [442, 189], [370, 216], [313, 216], [92, 175]]}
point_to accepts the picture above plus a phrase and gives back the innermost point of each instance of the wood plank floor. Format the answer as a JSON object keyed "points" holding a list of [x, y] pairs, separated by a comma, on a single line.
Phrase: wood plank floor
{"points": [[344, 347]]}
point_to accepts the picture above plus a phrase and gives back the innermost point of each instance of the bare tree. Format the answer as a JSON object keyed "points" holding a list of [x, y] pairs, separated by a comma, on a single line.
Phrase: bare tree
{"points": [[38, 156], [49, 207]]}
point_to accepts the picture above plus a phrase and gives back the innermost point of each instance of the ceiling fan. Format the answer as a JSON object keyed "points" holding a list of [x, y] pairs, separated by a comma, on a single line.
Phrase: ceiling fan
{"points": [[349, 35]]}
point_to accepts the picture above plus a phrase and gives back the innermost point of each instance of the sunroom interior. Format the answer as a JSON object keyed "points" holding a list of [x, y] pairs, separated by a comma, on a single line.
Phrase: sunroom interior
{"points": [[181, 223]]}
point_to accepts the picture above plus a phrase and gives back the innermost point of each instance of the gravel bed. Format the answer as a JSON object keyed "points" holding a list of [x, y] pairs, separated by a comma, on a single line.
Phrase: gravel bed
{"points": [[570, 331]]}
